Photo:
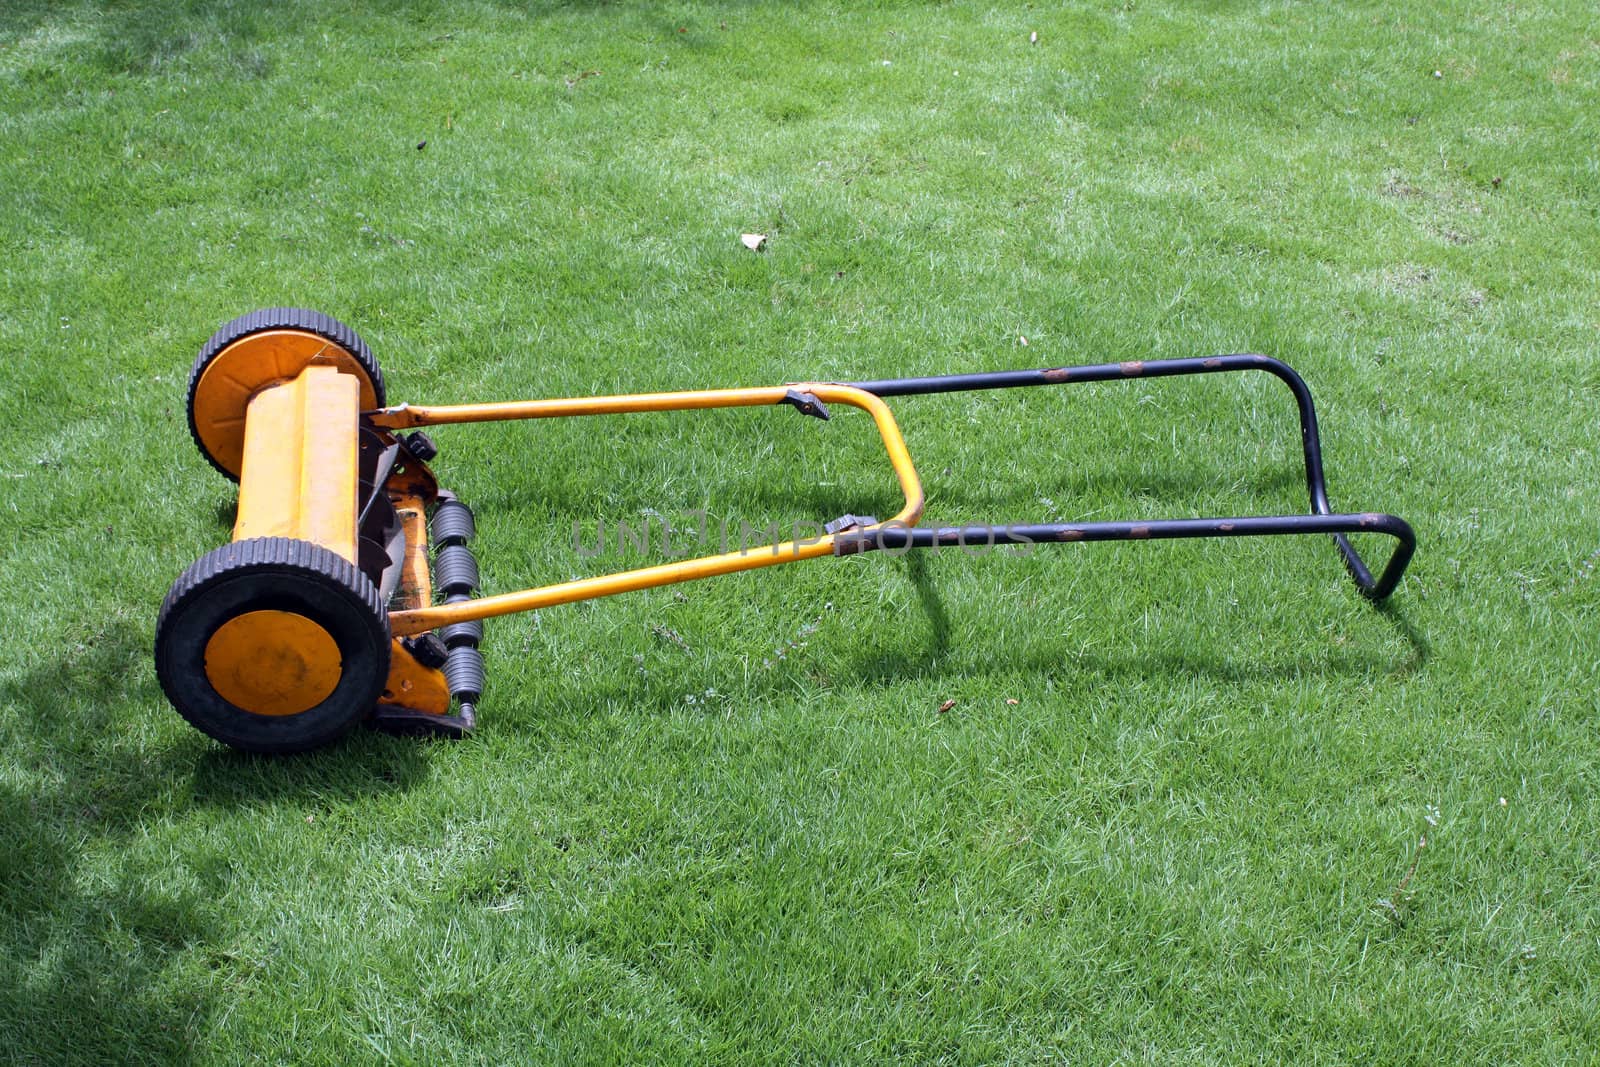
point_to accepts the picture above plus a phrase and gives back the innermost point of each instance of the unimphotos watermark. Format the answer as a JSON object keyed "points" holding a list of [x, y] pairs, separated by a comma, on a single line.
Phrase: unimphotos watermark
{"points": [[694, 534]]}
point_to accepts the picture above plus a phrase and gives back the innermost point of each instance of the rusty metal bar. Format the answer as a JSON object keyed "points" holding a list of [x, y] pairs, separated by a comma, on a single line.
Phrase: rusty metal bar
{"points": [[1323, 519], [891, 538]]}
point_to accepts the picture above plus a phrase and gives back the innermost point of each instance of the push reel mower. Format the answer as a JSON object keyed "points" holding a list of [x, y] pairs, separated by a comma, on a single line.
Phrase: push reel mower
{"points": [[347, 593]]}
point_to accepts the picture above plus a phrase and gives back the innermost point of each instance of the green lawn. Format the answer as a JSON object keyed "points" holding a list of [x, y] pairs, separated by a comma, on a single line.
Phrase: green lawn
{"points": [[727, 821]]}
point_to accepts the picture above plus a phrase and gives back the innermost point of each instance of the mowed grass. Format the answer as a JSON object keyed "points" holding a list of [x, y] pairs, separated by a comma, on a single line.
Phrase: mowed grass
{"points": [[1194, 802]]}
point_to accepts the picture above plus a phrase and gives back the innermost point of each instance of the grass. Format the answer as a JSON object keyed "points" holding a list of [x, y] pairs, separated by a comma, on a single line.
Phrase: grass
{"points": [[727, 822]]}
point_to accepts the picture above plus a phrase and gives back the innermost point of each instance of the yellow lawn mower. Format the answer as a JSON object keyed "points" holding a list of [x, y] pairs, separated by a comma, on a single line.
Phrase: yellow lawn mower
{"points": [[347, 593]]}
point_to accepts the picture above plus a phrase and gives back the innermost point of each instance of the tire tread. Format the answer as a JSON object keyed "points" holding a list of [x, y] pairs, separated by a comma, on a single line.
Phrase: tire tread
{"points": [[267, 556], [280, 318]]}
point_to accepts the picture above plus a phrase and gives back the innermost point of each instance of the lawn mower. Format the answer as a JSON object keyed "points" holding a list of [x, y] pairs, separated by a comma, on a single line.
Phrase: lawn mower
{"points": [[347, 593]]}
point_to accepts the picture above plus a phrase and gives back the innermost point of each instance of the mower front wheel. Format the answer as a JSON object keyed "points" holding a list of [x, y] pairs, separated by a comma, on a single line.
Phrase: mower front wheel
{"points": [[273, 645]]}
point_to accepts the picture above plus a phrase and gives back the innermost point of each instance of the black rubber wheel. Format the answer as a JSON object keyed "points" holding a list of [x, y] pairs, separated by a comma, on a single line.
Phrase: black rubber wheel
{"points": [[275, 578], [300, 320]]}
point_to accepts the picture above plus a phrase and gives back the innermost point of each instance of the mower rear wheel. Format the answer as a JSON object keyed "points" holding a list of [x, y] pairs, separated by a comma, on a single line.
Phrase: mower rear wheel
{"points": [[273, 645], [261, 349]]}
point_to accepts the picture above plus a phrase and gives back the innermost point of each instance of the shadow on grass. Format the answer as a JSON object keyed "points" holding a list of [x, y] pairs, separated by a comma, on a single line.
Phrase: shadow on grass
{"points": [[1223, 664], [1421, 647], [148, 38], [157, 36], [87, 969], [365, 764], [901, 665], [100, 914], [88, 952], [1212, 663]]}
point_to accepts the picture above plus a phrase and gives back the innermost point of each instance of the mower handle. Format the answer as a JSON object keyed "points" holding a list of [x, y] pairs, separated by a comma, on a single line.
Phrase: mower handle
{"points": [[898, 532], [420, 620], [1323, 519]]}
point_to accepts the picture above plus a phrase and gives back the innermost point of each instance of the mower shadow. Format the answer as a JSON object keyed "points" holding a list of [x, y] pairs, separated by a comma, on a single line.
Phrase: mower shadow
{"points": [[365, 764], [1214, 663], [1224, 664], [97, 932]]}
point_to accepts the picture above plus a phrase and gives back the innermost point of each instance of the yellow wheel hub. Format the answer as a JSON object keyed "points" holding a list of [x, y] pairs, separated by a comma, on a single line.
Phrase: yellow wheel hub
{"points": [[249, 365], [273, 662]]}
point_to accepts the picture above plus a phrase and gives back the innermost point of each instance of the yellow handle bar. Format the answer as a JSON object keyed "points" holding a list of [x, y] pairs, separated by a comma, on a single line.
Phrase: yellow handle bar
{"points": [[404, 416]]}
